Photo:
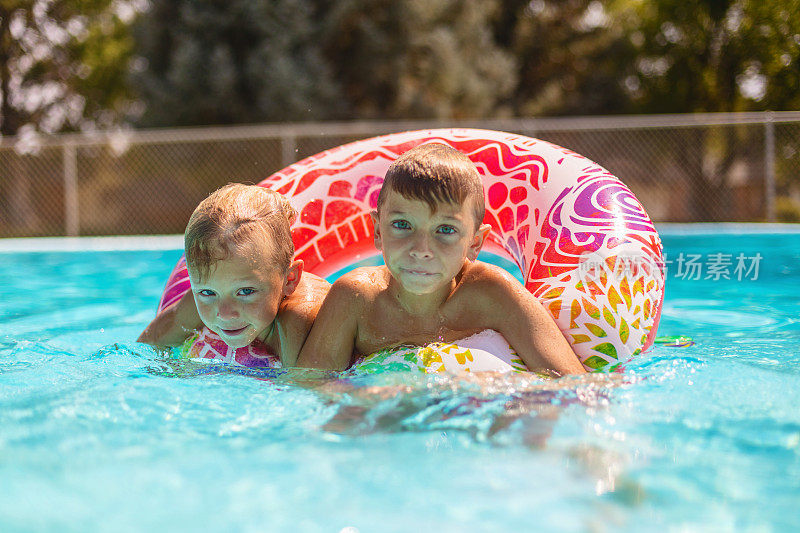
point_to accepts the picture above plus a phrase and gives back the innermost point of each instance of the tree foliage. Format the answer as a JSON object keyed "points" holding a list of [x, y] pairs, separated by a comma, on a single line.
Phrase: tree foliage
{"points": [[211, 62], [63, 64], [249, 61], [712, 55], [418, 59], [66, 64], [568, 55]]}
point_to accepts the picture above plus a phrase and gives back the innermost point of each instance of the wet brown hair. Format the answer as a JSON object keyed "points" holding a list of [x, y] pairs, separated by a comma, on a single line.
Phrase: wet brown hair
{"points": [[235, 216], [435, 173]]}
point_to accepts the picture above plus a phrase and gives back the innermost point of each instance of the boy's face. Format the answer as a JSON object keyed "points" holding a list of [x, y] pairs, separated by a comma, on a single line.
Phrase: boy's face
{"points": [[238, 298], [424, 251]]}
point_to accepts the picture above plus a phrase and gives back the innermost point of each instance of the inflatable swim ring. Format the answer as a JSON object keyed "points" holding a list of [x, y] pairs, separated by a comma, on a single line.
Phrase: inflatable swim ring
{"points": [[585, 245], [207, 345], [486, 351], [675, 341]]}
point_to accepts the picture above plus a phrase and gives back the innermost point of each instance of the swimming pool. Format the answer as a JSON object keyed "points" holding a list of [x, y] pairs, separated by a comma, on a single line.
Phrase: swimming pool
{"points": [[100, 433]]}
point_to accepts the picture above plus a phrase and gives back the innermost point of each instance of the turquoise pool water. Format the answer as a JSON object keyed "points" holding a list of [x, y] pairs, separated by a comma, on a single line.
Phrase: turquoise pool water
{"points": [[99, 433]]}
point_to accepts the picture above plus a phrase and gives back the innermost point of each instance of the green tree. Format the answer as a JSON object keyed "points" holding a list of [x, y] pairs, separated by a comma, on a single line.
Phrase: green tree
{"points": [[418, 59], [63, 64], [569, 54], [213, 62], [651, 56], [710, 56]]}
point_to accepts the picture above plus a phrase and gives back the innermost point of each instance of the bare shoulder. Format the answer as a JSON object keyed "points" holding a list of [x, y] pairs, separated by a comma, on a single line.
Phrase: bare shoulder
{"points": [[311, 289], [486, 280], [361, 283], [303, 304], [297, 313]]}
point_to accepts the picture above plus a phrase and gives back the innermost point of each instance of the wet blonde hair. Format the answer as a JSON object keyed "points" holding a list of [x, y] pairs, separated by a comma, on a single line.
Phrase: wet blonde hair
{"points": [[237, 215], [435, 173]]}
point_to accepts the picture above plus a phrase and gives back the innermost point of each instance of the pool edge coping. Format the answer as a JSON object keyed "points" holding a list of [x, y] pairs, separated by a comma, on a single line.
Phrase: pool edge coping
{"points": [[92, 244], [175, 242]]}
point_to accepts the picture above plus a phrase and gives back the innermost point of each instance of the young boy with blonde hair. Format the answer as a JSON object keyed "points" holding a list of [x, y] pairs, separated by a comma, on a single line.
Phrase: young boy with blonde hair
{"points": [[428, 227], [246, 289]]}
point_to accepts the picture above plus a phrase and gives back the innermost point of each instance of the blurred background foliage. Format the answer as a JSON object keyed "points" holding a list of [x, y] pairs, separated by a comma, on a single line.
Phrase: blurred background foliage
{"points": [[64, 64], [91, 65], [69, 65]]}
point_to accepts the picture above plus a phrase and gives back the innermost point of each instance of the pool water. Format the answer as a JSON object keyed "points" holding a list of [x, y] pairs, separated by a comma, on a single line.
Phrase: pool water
{"points": [[99, 433]]}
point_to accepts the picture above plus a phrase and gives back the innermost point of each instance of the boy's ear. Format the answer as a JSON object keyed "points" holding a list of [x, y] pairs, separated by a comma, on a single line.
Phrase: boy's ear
{"points": [[292, 278], [376, 229], [477, 241]]}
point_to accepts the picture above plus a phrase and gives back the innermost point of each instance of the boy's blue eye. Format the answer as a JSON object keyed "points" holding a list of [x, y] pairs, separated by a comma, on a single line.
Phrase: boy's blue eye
{"points": [[206, 292], [447, 230], [246, 292], [401, 224]]}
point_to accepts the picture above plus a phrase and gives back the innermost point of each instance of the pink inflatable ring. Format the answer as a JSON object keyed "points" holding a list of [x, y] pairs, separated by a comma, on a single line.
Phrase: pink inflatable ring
{"points": [[585, 245]]}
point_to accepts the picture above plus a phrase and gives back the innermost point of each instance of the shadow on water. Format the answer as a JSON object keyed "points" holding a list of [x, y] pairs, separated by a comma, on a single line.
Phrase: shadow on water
{"points": [[481, 405], [488, 409], [498, 410]]}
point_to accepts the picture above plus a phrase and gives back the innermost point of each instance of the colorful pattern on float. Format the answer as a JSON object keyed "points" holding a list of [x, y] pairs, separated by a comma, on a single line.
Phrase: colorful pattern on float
{"points": [[435, 358], [585, 245], [207, 345], [675, 341], [487, 351]]}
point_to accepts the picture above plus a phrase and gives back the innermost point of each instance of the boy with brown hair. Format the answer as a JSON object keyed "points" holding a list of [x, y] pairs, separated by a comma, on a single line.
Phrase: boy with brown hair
{"points": [[246, 288], [428, 227]]}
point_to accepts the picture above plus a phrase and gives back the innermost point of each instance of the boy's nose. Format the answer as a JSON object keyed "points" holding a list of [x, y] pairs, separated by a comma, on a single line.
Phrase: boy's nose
{"points": [[421, 248], [227, 310]]}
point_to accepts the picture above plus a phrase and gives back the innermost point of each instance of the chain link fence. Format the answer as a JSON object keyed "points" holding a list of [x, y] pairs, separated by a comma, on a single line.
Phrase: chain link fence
{"points": [[683, 168]]}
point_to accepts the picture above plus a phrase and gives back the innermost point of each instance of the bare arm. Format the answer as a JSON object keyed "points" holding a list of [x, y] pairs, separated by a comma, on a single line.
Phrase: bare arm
{"points": [[331, 341], [174, 324], [297, 314], [527, 326]]}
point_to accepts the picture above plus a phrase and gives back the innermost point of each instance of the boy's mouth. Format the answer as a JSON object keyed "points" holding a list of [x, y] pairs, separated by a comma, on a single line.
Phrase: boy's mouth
{"points": [[233, 332], [417, 272]]}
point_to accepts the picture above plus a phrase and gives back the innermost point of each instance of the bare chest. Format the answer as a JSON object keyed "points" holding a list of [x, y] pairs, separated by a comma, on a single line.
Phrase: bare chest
{"points": [[386, 325]]}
